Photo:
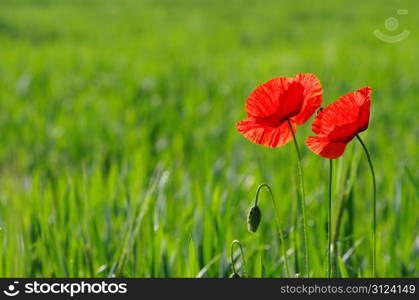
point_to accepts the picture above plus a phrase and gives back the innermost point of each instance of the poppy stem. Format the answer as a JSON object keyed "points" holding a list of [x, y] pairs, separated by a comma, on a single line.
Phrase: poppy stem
{"points": [[374, 204], [329, 223], [278, 223], [236, 242], [302, 199]]}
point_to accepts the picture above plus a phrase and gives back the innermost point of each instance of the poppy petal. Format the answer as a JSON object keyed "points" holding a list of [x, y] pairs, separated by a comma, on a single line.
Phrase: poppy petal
{"points": [[366, 93], [312, 96], [291, 101], [323, 146], [264, 100], [364, 102], [264, 135], [340, 117]]}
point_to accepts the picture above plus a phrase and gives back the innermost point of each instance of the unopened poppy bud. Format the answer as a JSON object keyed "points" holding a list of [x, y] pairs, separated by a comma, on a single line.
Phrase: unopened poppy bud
{"points": [[253, 218], [235, 275]]}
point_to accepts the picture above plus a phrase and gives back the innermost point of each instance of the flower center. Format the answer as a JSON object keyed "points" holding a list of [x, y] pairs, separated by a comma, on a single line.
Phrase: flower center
{"points": [[271, 121]]}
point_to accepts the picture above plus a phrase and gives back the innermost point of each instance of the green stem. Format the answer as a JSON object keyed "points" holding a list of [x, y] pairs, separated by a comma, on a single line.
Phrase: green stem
{"points": [[236, 242], [374, 204], [329, 223], [278, 223], [302, 199]]}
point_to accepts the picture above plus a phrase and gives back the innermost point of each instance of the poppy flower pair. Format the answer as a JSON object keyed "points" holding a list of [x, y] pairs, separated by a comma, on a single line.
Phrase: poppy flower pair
{"points": [[275, 109], [280, 104]]}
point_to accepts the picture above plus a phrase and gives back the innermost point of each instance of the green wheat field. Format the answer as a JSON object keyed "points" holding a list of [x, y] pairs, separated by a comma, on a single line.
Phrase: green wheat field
{"points": [[119, 154]]}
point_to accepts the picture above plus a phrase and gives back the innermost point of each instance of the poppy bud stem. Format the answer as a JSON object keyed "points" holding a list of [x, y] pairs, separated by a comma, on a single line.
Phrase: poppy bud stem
{"points": [[329, 223], [278, 223], [302, 199], [374, 204], [236, 242]]}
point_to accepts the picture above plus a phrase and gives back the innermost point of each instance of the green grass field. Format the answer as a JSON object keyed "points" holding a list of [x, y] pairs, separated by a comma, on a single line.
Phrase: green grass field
{"points": [[119, 154]]}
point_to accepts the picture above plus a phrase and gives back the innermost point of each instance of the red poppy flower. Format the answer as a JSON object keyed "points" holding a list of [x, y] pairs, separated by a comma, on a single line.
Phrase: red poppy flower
{"points": [[280, 99], [338, 123]]}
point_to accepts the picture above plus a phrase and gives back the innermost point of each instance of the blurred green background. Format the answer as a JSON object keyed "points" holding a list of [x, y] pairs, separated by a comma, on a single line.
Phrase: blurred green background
{"points": [[119, 154]]}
